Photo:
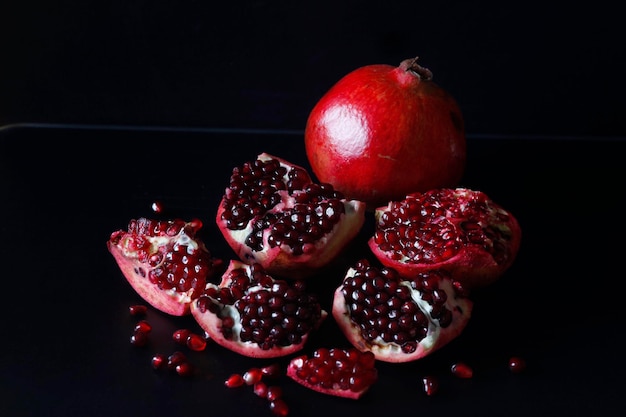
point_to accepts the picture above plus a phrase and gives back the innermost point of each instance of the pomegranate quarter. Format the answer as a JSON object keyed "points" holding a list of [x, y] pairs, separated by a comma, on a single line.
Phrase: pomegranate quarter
{"points": [[382, 132]]}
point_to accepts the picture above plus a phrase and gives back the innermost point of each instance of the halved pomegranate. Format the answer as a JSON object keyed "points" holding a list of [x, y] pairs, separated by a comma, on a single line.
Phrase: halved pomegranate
{"points": [[273, 214], [164, 261], [347, 373], [399, 319], [460, 230], [256, 315]]}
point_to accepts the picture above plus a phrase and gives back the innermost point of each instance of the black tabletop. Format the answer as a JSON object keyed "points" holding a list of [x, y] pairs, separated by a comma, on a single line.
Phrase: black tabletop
{"points": [[66, 324]]}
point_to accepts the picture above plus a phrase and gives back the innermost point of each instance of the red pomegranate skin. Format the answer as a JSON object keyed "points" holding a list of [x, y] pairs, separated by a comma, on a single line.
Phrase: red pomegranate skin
{"points": [[383, 131]]}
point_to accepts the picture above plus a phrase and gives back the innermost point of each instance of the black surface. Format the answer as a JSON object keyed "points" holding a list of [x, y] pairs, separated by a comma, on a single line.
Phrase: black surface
{"points": [[66, 327], [526, 67]]}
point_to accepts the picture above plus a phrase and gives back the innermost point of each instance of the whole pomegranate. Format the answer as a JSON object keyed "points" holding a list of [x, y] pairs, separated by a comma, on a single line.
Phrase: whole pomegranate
{"points": [[256, 315], [459, 230], [273, 214], [382, 132], [399, 319], [164, 261]]}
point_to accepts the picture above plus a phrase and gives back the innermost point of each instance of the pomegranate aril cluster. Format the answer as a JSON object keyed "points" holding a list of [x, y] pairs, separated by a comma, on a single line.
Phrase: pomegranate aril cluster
{"points": [[257, 378], [382, 304], [441, 226], [271, 312], [254, 190]]}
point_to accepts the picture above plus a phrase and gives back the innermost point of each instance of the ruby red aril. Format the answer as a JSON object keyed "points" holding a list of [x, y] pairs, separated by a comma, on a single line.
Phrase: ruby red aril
{"points": [[462, 370], [234, 381], [138, 309], [430, 384], [279, 407], [517, 364]]}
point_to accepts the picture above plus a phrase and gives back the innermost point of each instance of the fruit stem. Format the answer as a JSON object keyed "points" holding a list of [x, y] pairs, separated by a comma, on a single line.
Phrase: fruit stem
{"points": [[412, 66]]}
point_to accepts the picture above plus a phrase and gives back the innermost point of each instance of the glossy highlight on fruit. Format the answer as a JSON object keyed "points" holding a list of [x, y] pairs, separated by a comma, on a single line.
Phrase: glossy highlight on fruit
{"points": [[382, 132], [459, 230], [273, 214]]}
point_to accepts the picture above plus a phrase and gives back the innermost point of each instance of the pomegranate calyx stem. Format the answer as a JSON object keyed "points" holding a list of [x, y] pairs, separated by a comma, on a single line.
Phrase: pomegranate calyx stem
{"points": [[412, 66]]}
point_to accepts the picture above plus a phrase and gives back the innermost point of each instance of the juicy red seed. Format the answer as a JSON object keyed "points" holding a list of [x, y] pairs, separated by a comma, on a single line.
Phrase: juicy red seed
{"points": [[430, 385], [271, 371], [462, 370], [138, 309], [196, 342], [517, 364], [274, 392], [143, 326], [184, 369], [157, 207], [252, 376], [279, 407], [180, 336], [139, 338], [159, 361], [175, 359], [260, 389], [234, 381]]}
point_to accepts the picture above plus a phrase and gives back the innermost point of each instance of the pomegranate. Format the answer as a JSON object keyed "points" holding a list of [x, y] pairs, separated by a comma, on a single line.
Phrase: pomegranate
{"points": [[460, 230], [164, 261], [256, 315], [399, 319], [273, 214], [382, 132], [345, 373]]}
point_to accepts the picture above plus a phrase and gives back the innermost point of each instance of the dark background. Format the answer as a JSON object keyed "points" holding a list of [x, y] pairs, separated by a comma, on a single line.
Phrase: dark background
{"points": [[522, 68]]}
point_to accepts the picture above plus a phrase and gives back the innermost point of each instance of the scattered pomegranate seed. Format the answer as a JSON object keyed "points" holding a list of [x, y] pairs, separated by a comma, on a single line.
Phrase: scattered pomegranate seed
{"points": [[279, 407], [158, 361], [184, 369], [138, 309], [139, 338], [517, 364], [157, 207], [234, 381], [196, 342], [430, 384], [175, 359], [462, 370], [143, 326], [260, 389], [180, 336], [274, 392], [252, 376], [271, 371]]}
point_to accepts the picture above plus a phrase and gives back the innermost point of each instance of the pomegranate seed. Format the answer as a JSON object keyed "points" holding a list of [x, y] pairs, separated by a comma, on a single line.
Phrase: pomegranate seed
{"points": [[175, 359], [196, 342], [234, 381], [279, 407], [462, 370], [139, 338], [180, 336], [158, 361], [143, 326], [184, 369], [138, 309], [517, 364], [271, 371], [431, 385], [274, 393], [157, 207], [260, 389], [252, 376]]}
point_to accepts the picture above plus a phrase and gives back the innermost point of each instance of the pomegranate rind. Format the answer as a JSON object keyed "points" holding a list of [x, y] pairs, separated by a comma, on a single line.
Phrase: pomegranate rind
{"points": [[437, 337], [472, 266], [280, 260], [212, 325], [292, 372], [167, 301]]}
